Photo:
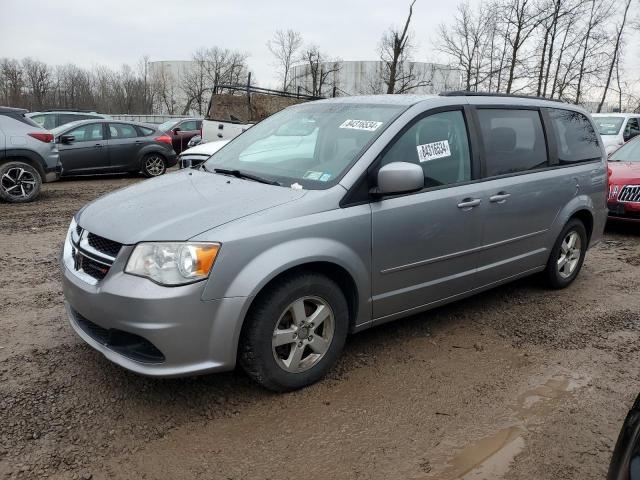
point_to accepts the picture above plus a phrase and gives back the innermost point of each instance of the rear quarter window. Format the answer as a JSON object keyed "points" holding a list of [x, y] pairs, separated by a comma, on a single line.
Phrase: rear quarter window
{"points": [[577, 140], [145, 132]]}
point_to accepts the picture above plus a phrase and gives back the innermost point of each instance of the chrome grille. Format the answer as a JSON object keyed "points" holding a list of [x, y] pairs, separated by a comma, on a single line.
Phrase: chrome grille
{"points": [[92, 255], [629, 193]]}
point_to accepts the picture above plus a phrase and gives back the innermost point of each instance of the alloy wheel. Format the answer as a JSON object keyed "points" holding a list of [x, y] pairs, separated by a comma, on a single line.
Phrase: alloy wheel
{"points": [[303, 334], [18, 182], [569, 256], [154, 165]]}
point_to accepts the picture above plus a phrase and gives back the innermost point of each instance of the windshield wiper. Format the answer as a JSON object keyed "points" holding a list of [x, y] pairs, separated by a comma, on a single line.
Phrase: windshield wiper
{"points": [[248, 176]]}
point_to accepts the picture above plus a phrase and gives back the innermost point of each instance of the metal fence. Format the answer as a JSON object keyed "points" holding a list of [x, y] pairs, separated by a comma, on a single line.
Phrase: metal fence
{"points": [[147, 118]]}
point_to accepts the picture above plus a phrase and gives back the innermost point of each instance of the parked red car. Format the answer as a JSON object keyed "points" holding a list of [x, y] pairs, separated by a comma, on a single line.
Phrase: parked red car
{"points": [[624, 182], [181, 130]]}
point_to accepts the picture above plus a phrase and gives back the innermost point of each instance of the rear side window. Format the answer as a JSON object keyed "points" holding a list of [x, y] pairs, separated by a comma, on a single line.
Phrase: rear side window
{"points": [[439, 144], [577, 140], [145, 131], [70, 117], [121, 130], [514, 141], [47, 121]]}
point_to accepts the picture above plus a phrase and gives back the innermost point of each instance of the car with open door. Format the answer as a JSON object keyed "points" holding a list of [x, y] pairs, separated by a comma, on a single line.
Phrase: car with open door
{"points": [[181, 131], [90, 147]]}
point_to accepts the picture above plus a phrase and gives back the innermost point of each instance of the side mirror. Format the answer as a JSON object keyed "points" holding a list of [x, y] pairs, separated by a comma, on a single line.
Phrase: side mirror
{"points": [[176, 130], [400, 177], [67, 139]]}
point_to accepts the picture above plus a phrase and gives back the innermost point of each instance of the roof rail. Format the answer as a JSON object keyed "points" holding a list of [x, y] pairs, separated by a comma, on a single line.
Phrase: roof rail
{"points": [[68, 110], [13, 110], [464, 93]]}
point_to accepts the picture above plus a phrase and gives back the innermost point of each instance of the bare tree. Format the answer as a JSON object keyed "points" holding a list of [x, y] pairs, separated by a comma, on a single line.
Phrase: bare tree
{"points": [[12, 81], [317, 72], [285, 46], [195, 81], [398, 73], [38, 78], [615, 54]]}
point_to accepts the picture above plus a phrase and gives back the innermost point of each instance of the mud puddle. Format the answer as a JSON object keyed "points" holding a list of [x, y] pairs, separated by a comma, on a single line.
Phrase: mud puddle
{"points": [[491, 456]]}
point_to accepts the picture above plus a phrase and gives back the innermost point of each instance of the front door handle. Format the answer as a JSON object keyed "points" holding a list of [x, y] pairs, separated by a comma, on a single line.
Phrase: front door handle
{"points": [[98, 145], [499, 197], [469, 203]]}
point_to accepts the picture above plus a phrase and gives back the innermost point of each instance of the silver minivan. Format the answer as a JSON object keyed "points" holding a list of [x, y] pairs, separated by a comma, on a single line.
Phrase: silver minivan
{"points": [[328, 218]]}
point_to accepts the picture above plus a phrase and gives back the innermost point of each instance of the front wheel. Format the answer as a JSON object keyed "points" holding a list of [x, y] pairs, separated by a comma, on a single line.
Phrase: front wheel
{"points": [[295, 332], [567, 255], [153, 165], [19, 182]]}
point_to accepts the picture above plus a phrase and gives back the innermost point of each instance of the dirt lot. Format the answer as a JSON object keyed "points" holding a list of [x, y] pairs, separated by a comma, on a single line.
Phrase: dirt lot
{"points": [[517, 383]]}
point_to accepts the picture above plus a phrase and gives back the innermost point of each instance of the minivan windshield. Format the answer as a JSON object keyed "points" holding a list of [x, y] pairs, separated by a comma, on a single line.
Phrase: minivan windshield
{"points": [[629, 152], [310, 145], [608, 125]]}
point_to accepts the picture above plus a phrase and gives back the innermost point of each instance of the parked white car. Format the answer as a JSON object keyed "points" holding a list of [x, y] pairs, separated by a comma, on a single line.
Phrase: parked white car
{"points": [[617, 128], [194, 156]]}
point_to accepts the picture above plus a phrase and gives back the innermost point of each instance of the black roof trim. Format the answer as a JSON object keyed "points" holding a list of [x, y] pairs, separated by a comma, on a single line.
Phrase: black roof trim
{"points": [[72, 110], [13, 110], [463, 93]]}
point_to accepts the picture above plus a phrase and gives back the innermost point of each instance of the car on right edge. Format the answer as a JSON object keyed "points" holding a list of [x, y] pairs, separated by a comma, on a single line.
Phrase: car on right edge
{"points": [[624, 182]]}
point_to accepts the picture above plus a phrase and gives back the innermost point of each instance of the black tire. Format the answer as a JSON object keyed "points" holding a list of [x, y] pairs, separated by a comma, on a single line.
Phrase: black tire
{"points": [[256, 354], [19, 182], [554, 277], [153, 165]]}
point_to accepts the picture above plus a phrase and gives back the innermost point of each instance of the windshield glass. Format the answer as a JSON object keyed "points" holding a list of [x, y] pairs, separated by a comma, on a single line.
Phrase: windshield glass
{"points": [[629, 152], [166, 126], [311, 144], [608, 125]]}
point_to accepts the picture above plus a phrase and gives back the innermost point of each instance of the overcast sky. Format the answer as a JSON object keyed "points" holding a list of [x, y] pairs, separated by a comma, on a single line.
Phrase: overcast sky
{"points": [[91, 32]]}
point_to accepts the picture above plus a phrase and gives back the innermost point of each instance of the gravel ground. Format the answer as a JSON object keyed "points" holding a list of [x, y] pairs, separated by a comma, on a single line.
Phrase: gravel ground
{"points": [[517, 383]]}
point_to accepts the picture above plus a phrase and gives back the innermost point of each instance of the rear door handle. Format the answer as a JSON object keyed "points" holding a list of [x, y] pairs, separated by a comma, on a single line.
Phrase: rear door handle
{"points": [[499, 197], [98, 145], [469, 203]]}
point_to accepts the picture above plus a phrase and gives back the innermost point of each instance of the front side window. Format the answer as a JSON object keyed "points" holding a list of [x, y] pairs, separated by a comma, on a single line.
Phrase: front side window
{"points": [[87, 133], [632, 129], [513, 141], [64, 118], [608, 125], [188, 126], [577, 140], [311, 145], [439, 144], [121, 130]]}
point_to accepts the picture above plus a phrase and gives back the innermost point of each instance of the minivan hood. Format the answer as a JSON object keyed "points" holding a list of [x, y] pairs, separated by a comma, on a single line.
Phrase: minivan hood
{"points": [[178, 206]]}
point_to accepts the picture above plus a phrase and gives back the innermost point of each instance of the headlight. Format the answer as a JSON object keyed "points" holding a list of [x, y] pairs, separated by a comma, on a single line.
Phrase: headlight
{"points": [[173, 263]]}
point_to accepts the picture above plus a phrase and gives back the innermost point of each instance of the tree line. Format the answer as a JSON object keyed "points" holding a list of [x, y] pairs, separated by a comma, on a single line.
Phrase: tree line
{"points": [[570, 50]]}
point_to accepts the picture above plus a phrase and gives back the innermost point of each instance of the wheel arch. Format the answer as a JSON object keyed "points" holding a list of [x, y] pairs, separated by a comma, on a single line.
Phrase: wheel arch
{"points": [[28, 157]]}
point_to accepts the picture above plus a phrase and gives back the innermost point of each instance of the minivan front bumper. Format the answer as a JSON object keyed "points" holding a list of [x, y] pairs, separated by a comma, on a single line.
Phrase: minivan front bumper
{"points": [[154, 330]]}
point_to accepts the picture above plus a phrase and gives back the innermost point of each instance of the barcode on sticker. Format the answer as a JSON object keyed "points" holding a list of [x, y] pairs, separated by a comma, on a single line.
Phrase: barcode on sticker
{"points": [[431, 151], [368, 125]]}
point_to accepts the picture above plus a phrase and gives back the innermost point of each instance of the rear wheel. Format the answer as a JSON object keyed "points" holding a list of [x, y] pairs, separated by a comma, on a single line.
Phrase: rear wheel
{"points": [[19, 182], [153, 165], [295, 332], [567, 255]]}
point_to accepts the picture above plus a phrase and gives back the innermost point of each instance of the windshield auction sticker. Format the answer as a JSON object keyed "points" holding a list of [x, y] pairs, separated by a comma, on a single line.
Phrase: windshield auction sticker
{"points": [[368, 125], [432, 151]]}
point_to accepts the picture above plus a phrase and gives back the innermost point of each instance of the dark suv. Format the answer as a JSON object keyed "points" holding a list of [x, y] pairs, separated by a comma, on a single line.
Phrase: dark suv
{"points": [[28, 156]]}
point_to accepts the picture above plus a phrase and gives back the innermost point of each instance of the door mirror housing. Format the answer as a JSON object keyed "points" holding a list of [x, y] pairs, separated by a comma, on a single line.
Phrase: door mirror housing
{"points": [[176, 130], [400, 177], [67, 139]]}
